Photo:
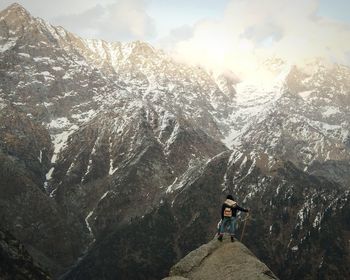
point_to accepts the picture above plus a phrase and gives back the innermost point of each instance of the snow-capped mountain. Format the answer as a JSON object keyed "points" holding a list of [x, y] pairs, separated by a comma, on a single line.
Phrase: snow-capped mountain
{"points": [[302, 117], [141, 140]]}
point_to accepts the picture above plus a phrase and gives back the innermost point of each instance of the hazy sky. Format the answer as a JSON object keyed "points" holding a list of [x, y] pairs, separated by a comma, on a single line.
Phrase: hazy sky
{"points": [[220, 31]]}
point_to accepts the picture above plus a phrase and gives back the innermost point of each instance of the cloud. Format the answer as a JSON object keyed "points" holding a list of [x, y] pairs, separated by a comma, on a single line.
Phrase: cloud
{"points": [[85, 23], [252, 30], [176, 35], [121, 20]]}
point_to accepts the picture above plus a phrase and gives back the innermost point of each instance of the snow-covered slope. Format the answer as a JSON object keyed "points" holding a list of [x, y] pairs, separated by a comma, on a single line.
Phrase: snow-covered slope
{"points": [[301, 115], [66, 81]]}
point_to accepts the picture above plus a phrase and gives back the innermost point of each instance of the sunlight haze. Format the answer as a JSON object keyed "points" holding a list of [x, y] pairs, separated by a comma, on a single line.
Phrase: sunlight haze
{"points": [[218, 35]]}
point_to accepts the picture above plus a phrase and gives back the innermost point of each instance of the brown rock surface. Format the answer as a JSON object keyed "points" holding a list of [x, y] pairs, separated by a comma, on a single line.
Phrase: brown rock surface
{"points": [[217, 260]]}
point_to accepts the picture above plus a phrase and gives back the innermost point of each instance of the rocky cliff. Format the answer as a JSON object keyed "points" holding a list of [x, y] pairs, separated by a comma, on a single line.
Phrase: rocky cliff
{"points": [[216, 260]]}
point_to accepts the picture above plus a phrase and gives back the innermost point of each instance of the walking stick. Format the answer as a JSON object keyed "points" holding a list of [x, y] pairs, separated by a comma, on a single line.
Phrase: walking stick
{"points": [[245, 222]]}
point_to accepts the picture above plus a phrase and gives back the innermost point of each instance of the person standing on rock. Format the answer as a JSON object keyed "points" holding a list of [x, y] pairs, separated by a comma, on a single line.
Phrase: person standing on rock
{"points": [[228, 216]]}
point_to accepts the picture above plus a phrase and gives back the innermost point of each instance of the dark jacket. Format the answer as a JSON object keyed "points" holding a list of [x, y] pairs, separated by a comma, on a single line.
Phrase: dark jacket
{"points": [[233, 205]]}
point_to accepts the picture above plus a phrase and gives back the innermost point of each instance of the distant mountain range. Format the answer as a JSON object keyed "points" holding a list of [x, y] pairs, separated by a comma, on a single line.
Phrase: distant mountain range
{"points": [[115, 158]]}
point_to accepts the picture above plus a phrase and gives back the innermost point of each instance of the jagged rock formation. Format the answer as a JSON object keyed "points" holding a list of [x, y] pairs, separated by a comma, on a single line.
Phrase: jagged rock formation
{"points": [[109, 137], [15, 261], [216, 260]]}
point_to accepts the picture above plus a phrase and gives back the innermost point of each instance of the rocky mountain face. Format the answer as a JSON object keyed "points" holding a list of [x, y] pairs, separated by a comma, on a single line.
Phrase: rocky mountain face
{"points": [[224, 261], [26, 210], [16, 262], [115, 158], [303, 117], [294, 215], [114, 151]]}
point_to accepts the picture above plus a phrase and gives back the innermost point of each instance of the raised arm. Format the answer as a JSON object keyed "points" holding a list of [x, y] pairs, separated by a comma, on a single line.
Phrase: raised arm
{"points": [[241, 209]]}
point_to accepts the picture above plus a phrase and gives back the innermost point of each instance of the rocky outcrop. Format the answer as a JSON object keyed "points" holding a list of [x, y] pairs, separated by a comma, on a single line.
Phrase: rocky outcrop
{"points": [[216, 260]]}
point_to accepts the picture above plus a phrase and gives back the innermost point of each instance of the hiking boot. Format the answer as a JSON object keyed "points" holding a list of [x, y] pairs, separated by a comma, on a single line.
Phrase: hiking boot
{"points": [[232, 239], [220, 238]]}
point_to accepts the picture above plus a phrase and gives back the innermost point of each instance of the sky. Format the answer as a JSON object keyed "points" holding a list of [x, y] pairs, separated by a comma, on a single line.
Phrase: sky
{"points": [[218, 33]]}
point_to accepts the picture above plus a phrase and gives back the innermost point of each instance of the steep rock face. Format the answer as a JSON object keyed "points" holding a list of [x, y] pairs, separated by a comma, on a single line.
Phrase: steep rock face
{"points": [[64, 80], [26, 210], [148, 246], [140, 250], [318, 84], [156, 77], [216, 260], [25, 141], [41, 72], [302, 115], [122, 162], [15, 261], [296, 212], [292, 214], [336, 170], [289, 133]]}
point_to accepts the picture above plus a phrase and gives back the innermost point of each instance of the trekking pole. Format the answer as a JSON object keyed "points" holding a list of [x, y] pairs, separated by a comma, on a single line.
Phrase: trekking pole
{"points": [[245, 222]]}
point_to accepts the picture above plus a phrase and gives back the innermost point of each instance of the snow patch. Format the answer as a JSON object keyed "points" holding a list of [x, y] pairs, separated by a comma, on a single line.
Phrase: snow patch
{"points": [[85, 116], [88, 224], [330, 110], [172, 137], [317, 220], [40, 156], [104, 195], [57, 68], [24, 55], [60, 139], [59, 123], [305, 94], [111, 169], [8, 45], [49, 174], [2, 103], [170, 188], [44, 59], [295, 248], [253, 100]]}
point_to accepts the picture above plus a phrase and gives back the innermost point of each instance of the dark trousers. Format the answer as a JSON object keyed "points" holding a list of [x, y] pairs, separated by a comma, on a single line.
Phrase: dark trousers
{"points": [[228, 221]]}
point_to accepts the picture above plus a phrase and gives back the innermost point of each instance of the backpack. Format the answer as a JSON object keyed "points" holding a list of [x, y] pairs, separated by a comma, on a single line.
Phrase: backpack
{"points": [[228, 212]]}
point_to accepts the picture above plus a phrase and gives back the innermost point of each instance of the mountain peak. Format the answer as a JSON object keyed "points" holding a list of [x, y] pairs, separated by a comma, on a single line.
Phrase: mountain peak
{"points": [[15, 8], [141, 47], [216, 260], [15, 5], [15, 13]]}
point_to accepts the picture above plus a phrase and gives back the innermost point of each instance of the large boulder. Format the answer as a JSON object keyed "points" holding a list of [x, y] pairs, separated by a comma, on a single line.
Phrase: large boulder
{"points": [[216, 260]]}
